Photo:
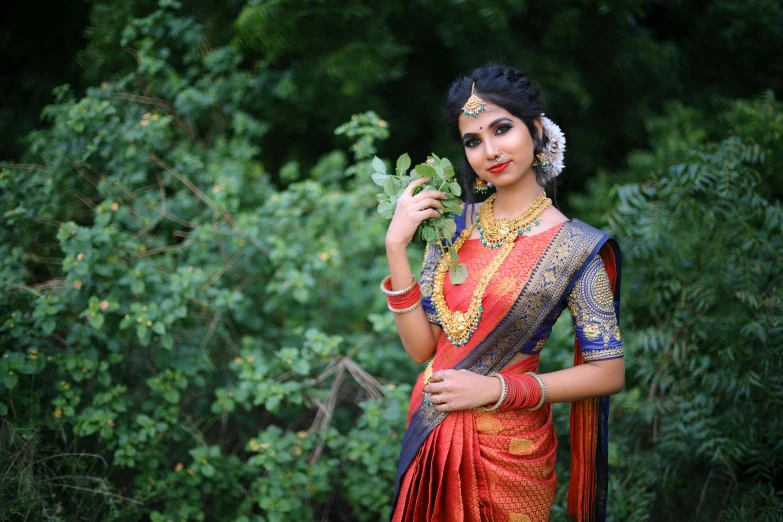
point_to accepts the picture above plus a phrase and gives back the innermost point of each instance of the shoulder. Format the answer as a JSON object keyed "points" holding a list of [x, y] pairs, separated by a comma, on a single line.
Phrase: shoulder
{"points": [[586, 237], [580, 228]]}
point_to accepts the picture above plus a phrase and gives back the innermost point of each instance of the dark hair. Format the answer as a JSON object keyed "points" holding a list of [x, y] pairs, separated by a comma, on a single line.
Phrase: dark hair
{"points": [[506, 87]]}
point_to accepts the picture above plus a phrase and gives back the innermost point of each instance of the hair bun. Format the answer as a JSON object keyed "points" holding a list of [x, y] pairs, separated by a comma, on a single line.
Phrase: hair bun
{"points": [[515, 75]]}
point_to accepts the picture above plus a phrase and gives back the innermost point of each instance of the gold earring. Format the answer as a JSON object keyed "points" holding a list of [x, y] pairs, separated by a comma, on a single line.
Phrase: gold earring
{"points": [[499, 155], [540, 161], [480, 186]]}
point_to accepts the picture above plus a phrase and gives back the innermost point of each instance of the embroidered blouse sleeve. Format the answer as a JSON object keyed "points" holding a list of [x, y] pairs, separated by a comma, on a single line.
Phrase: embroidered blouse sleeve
{"points": [[591, 303], [432, 255]]}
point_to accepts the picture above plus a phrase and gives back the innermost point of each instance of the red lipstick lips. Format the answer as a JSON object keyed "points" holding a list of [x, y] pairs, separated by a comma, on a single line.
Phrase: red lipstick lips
{"points": [[500, 167]]}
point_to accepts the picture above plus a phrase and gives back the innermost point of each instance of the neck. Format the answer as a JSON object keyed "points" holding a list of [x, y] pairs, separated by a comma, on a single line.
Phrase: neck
{"points": [[513, 200]]}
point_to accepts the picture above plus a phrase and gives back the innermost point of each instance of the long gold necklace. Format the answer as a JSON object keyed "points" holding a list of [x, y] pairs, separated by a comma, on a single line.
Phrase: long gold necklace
{"points": [[496, 232], [459, 326]]}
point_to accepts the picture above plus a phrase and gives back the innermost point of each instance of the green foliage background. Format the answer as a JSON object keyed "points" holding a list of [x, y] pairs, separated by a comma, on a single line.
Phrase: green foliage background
{"points": [[189, 253]]}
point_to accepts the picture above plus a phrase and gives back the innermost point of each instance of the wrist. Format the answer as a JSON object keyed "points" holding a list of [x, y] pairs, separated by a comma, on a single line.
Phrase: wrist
{"points": [[494, 389], [395, 246]]}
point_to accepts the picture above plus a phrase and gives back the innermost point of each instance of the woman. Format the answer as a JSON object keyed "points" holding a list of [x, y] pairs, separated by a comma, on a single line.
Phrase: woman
{"points": [[480, 443]]}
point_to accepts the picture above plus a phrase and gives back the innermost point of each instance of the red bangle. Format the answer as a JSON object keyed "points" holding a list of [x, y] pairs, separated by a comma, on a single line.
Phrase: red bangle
{"points": [[387, 289], [402, 299], [405, 303], [523, 392]]}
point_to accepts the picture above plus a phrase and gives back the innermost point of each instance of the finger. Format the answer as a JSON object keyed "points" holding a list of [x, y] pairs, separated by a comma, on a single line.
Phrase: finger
{"points": [[424, 204], [434, 388], [428, 213], [442, 407], [413, 184], [433, 194], [440, 375]]}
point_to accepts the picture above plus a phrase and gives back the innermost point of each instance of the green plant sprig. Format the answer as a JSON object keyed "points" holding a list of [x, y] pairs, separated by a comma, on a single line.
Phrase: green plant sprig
{"points": [[437, 230]]}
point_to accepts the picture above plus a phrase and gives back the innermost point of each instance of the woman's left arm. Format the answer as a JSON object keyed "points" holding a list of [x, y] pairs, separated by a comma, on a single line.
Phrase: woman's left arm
{"points": [[592, 379], [592, 307]]}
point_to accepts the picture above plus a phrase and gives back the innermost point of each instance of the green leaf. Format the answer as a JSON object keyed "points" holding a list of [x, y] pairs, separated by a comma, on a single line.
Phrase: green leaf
{"points": [[446, 164], [301, 366], [143, 333], [207, 470], [167, 341], [137, 287], [3, 410], [272, 403], [379, 165], [389, 187], [458, 273], [429, 234], [49, 326], [448, 228], [159, 328], [425, 171], [379, 178], [403, 164], [97, 321], [172, 396], [10, 380], [125, 323], [386, 209], [453, 205], [455, 189]]}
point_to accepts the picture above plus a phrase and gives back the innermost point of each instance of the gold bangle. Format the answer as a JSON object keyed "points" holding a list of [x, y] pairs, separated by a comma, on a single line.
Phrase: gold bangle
{"points": [[405, 310], [395, 293], [543, 390], [503, 393]]}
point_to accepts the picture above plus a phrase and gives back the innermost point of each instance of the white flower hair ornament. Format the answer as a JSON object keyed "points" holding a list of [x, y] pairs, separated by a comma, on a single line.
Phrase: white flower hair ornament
{"points": [[552, 156]]}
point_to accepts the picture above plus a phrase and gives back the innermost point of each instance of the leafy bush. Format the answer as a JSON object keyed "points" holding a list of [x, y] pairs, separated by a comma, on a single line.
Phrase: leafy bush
{"points": [[181, 341], [701, 237]]}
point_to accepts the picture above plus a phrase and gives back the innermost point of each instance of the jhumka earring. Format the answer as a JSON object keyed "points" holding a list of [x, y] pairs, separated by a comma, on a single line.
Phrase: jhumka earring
{"points": [[541, 161], [474, 105], [480, 186]]}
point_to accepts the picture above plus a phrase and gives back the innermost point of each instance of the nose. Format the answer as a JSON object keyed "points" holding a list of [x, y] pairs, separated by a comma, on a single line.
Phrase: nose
{"points": [[490, 151]]}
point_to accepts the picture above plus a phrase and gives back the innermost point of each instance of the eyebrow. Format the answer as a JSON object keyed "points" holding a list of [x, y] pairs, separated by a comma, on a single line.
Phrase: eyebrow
{"points": [[491, 125]]}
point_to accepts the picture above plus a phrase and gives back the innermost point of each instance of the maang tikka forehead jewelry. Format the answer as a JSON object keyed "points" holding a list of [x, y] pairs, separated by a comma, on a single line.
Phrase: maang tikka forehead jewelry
{"points": [[474, 105]]}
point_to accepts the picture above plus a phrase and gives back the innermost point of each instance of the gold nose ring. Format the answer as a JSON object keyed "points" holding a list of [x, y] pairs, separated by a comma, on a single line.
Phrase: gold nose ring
{"points": [[499, 155]]}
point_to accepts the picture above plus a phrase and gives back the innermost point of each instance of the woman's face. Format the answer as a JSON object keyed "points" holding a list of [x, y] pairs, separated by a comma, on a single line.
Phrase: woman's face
{"points": [[494, 129]]}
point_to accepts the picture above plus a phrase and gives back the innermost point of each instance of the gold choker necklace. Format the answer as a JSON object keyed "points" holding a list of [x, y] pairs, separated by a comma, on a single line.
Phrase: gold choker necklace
{"points": [[496, 232], [459, 326]]}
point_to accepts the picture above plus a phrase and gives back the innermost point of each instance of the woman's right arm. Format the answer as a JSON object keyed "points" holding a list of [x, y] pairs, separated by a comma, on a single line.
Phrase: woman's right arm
{"points": [[419, 337]]}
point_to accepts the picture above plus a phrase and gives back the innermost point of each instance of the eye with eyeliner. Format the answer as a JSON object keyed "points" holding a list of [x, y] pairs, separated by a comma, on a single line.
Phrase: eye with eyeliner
{"points": [[474, 142]]}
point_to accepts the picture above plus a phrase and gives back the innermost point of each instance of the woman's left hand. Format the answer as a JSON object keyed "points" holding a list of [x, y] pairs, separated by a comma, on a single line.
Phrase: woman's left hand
{"points": [[452, 390]]}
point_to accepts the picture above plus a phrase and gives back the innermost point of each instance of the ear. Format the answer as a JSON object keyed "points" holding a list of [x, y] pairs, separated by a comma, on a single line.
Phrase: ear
{"points": [[539, 129]]}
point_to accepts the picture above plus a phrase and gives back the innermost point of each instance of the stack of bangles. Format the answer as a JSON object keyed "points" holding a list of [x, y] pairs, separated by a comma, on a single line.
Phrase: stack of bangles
{"points": [[402, 301], [526, 391]]}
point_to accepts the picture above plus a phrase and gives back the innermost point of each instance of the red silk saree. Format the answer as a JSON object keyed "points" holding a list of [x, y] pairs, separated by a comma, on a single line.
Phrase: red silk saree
{"points": [[499, 466]]}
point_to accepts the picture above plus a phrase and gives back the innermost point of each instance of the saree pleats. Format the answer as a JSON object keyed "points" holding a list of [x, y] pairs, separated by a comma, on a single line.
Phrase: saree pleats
{"points": [[484, 466]]}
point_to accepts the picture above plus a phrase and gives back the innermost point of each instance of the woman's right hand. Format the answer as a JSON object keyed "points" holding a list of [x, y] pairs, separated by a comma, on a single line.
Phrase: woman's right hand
{"points": [[411, 211]]}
